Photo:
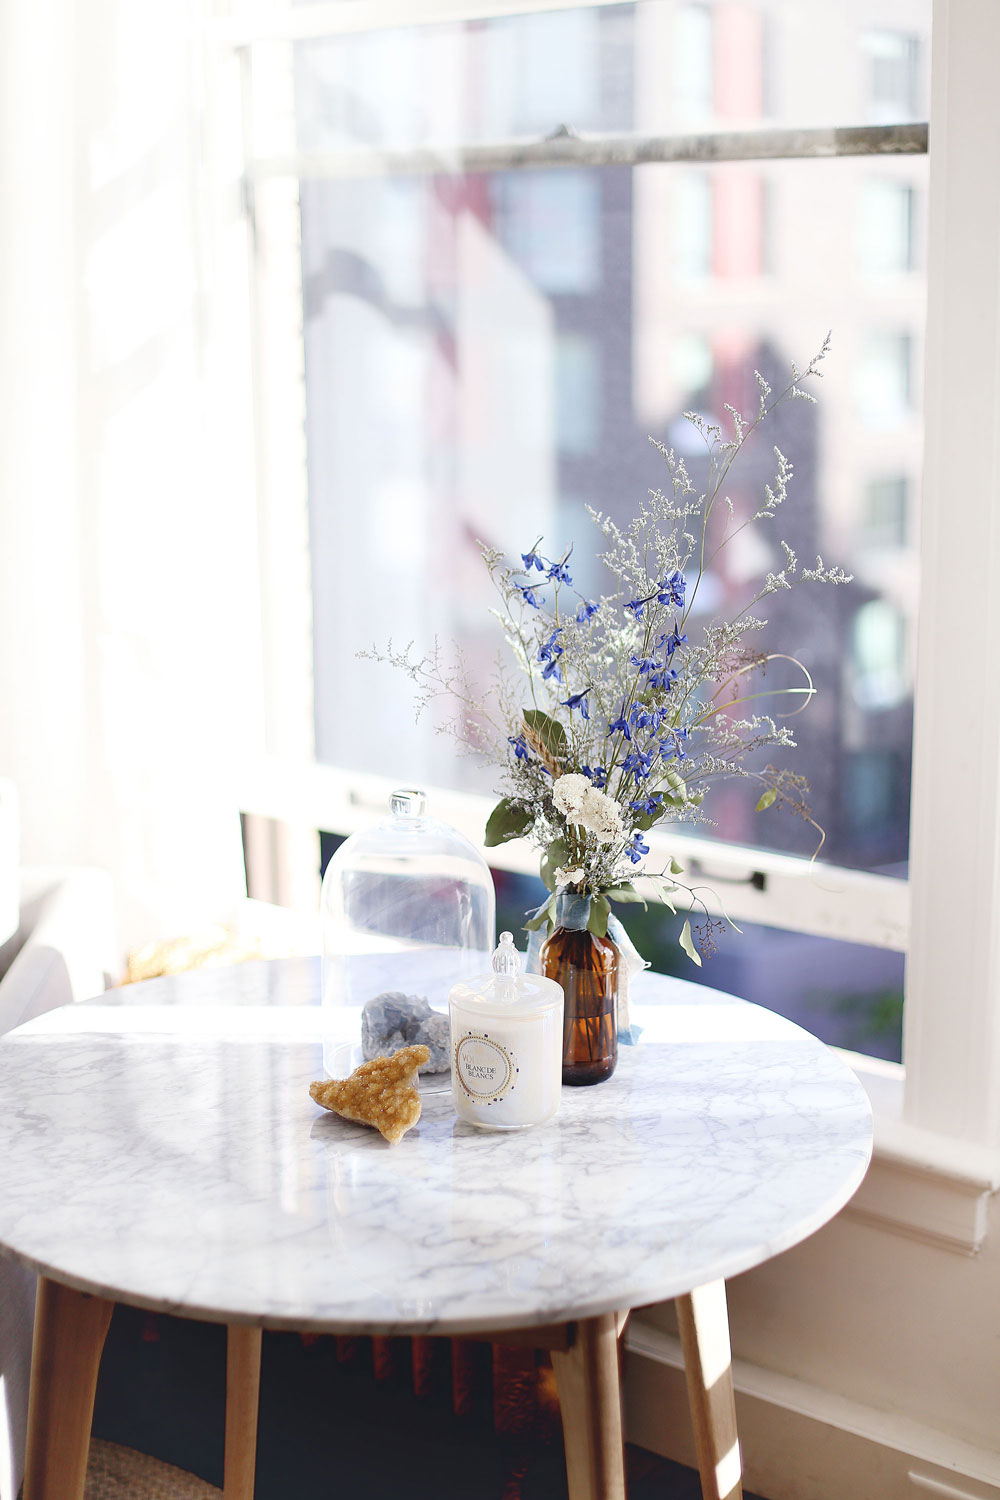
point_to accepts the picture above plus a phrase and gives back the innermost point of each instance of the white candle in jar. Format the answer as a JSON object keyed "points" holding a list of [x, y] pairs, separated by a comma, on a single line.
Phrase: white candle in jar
{"points": [[506, 1045]]}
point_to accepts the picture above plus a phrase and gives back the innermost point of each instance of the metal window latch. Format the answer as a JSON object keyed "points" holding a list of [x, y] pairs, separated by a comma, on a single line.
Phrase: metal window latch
{"points": [[757, 879]]}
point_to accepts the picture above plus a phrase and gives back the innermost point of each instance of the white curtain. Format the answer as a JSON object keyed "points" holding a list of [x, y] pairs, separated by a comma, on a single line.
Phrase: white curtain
{"points": [[129, 619]]}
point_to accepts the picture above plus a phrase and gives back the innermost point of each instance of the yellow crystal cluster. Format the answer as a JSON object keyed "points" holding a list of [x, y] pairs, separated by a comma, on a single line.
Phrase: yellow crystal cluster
{"points": [[381, 1093]]}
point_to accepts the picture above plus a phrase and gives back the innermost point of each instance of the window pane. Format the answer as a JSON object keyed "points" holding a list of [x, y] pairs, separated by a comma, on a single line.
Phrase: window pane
{"points": [[659, 65], [486, 354]]}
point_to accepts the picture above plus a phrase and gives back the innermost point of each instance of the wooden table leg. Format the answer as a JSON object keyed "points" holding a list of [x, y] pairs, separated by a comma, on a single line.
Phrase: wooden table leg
{"points": [[242, 1394], [704, 1328], [590, 1398], [70, 1328]]}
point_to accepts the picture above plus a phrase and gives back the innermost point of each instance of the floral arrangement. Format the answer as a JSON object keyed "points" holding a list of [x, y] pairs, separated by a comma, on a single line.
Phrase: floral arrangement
{"points": [[631, 716]]}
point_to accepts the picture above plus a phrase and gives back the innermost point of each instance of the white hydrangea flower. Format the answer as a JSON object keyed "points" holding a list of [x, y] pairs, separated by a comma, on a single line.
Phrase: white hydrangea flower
{"points": [[600, 815], [568, 793], [567, 877]]}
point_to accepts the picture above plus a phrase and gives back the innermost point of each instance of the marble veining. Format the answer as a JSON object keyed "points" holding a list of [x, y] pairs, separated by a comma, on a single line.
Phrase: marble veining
{"points": [[159, 1146]]}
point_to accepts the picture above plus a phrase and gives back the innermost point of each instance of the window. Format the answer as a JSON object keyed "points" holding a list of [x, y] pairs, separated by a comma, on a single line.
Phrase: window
{"points": [[878, 656], [692, 65], [578, 396], [893, 76], [887, 508], [550, 224], [488, 340], [886, 226], [884, 377], [692, 226]]}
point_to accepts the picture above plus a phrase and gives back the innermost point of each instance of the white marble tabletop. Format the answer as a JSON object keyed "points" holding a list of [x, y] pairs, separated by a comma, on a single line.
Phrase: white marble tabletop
{"points": [[159, 1146]]}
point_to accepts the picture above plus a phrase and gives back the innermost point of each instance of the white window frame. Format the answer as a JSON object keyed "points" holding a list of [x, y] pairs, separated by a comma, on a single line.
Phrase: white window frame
{"points": [[949, 1086]]}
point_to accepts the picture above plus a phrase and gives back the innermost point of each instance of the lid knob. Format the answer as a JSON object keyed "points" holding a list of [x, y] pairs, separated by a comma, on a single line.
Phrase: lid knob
{"points": [[506, 959], [407, 802]]}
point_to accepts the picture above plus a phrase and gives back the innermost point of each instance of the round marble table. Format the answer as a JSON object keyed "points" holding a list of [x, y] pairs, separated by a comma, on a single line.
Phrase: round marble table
{"points": [[158, 1146]]}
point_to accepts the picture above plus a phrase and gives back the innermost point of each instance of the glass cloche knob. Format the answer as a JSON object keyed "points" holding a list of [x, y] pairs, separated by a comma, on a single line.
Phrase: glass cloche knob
{"points": [[407, 802], [506, 959]]}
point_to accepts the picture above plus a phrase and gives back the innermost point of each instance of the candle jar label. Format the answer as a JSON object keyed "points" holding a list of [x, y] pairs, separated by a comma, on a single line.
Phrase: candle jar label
{"points": [[485, 1069]]}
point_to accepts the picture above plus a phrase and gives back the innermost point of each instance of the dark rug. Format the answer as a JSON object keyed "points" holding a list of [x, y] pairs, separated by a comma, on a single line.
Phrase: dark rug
{"points": [[327, 1428]]}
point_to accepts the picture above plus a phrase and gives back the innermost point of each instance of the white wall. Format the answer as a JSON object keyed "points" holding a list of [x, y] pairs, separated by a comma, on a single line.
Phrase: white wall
{"points": [[862, 1357], [128, 628]]}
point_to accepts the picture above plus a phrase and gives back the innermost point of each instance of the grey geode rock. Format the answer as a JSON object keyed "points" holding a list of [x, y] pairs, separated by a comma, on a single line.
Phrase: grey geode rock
{"points": [[393, 1020]]}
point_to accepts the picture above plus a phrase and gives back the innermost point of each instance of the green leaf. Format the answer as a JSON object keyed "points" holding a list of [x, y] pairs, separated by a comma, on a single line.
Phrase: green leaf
{"points": [[676, 868], [663, 889], [648, 820], [507, 821], [687, 943], [625, 893], [767, 799], [549, 732], [554, 858], [600, 911], [547, 914], [676, 780]]}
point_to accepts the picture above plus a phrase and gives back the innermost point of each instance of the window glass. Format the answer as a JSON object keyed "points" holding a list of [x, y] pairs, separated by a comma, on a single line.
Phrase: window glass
{"points": [[487, 353], [658, 65]]}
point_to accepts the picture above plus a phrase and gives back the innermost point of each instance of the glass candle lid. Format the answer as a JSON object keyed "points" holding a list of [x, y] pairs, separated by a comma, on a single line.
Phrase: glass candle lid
{"points": [[407, 909]]}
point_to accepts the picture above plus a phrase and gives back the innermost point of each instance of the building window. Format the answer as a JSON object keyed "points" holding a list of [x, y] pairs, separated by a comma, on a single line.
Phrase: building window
{"points": [[878, 657], [578, 395], [886, 227], [692, 92], [886, 512], [692, 226], [893, 59], [883, 378], [550, 225]]}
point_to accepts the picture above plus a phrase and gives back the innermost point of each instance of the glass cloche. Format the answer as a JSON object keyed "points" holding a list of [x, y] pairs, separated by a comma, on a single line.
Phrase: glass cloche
{"points": [[408, 910]]}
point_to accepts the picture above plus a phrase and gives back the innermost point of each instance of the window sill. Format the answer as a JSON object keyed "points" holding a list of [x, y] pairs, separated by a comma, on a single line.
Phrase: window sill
{"points": [[920, 1184]]}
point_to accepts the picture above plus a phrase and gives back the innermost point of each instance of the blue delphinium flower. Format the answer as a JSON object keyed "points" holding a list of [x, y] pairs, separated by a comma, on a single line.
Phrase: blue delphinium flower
{"points": [[637, 606], [638, 765], [549, 652], [620, 725], [649, 804], [644, 663], [576, 700], [528, 594], [597, 774], [671, 590], [585, 611], [663, 679], [670, 642], [646, 718], [559, 572], [521, 751], [672, 746], [532, 560], [637, 848]]}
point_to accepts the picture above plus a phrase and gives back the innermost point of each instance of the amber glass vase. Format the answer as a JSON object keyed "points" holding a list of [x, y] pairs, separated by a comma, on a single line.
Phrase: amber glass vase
{"points": [[587, 968]]}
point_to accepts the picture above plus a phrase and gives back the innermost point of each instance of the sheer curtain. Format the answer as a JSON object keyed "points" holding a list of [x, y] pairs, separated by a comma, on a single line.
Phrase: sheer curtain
{"points": [[129, 615]]}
